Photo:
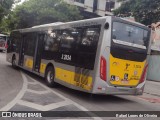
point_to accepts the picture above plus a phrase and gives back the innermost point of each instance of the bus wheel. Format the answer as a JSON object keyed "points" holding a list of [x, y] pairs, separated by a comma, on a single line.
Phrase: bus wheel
{"points": [[49, 76], [14, 62]]}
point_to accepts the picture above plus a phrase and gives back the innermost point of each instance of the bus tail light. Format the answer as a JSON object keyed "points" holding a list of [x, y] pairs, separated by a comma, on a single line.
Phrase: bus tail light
{"points": [[143, 74], [103, 67]]}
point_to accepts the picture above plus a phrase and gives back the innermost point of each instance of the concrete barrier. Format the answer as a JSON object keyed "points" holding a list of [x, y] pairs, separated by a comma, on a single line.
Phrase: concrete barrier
{"points": [[154, 68]]}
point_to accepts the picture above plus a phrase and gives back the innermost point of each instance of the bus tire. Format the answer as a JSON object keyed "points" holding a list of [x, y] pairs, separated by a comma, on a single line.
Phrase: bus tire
{"points": [[49, 76], [14, 62]]}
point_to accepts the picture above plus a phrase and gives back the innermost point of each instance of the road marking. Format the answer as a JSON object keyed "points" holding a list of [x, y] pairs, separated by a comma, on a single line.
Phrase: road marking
{"points": [[38, 92], [19, 95], [72, 119], [67, 99], [18, 99], [45, 107], [32, 83]]}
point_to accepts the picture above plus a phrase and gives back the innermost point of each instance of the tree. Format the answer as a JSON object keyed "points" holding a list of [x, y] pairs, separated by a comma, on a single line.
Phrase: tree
{"points": [[5, 6], [144, 11], [36, 12]]}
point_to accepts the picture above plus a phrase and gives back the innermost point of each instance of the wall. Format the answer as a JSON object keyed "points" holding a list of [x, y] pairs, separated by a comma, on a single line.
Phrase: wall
{"points": [[101, 6], [154, 68], [154, 62], [156, 36]]}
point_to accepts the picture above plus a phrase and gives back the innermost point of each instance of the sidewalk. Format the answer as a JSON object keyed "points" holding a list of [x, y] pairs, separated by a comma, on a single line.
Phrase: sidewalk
{"points": [[152, 88]]}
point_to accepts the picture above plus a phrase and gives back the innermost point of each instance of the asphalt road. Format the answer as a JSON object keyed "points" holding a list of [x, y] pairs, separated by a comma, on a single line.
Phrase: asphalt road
{"points": [[10, 81], [24, 91]]}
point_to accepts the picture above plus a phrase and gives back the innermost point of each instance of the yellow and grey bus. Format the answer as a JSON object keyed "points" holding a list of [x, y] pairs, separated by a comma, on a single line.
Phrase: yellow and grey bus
{"points": [[105, 55]]}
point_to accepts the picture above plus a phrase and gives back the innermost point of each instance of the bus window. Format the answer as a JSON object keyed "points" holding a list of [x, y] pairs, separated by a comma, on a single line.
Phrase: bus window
{"points": [[30, 41], [88, 47], [14, 41], [130, 34], [90, 39], [69, 39], [52, 41]]}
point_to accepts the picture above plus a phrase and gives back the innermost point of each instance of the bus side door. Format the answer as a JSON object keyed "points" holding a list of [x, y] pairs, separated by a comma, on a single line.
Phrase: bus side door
{"points": [[38, 51], [21, 54]]}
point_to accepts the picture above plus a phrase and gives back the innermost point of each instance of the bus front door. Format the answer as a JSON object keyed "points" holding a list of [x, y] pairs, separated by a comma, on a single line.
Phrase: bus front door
{"points": [[38, 52], [21, 56]]}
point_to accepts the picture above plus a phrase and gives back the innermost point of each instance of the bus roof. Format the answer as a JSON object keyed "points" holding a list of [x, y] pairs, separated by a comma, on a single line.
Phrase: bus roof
{"points": [[98, 19], [46, 25]]}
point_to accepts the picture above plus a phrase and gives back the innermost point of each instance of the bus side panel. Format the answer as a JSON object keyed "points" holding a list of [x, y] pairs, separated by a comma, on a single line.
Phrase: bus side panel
{"points": [[69, 76], [28, 62], [74, 55]]}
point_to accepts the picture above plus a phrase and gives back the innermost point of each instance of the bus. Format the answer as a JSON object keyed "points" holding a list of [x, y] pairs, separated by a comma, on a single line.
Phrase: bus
{"points": [[105, 55], [3, 42]]}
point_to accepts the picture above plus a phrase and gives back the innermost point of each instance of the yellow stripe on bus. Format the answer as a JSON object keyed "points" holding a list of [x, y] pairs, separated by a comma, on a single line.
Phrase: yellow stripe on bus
{"points": [[79, 80], [29, 63], [42, 68]]}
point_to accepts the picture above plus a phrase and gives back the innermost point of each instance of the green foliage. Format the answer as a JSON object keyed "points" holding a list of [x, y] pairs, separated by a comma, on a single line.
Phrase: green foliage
{"points": [[36, 12], [5, 6], [144, 11]]}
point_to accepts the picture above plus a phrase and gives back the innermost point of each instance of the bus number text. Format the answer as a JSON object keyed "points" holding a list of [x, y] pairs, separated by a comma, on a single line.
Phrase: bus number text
{"points": [[66, 57]]}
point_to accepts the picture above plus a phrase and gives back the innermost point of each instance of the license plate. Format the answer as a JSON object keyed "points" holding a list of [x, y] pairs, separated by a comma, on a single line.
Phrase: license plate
{"points": [[125, 81]]}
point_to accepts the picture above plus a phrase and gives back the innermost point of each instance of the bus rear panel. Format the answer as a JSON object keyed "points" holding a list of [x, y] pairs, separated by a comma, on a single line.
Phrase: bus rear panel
{"points": [[124, 60]]}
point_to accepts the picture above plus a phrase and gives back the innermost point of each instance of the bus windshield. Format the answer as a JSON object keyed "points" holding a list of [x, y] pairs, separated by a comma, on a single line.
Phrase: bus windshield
{"points": [[2, 38], [127, 34]]}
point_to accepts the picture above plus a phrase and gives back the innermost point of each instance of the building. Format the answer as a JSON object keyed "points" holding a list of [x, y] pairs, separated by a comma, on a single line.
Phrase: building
{"points": [[95, 7], [155, 36], [154, 60]]}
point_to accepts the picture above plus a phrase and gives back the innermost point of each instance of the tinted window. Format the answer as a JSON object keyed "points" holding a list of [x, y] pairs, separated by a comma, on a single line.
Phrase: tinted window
{"points": [[30, 41], [90, 39], [52, 41], [70, 38], [80, 39], [129, 33], [73, 46], [16, 41], [110, 5]]}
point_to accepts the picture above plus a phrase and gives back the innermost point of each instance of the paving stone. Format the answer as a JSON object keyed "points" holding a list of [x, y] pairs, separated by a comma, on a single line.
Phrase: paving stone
{"points": [[18, 107], [44, 99], [29, 79], [67, 108], [36, 87], [72, 108]]}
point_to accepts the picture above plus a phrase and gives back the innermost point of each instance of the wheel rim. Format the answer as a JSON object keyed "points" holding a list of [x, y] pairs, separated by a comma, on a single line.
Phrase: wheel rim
{"points": [[50, 76]]}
